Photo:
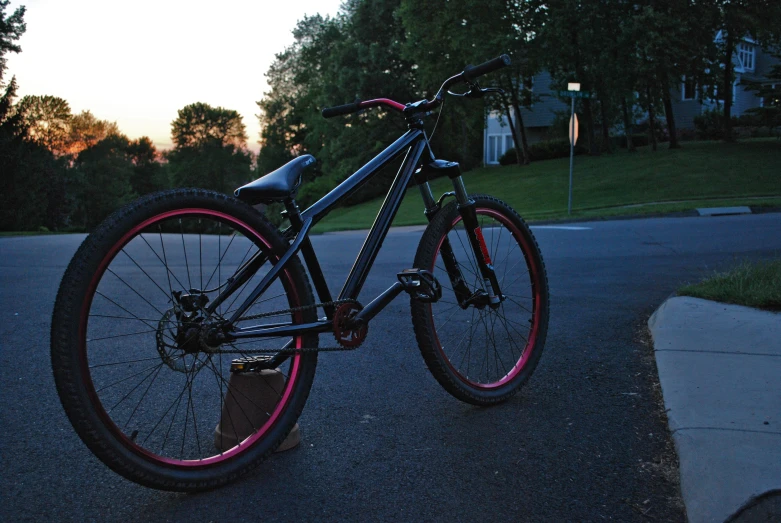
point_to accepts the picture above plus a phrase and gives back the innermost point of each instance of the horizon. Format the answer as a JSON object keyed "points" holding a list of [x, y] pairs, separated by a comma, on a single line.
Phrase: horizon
{"points": [[144, 100]]}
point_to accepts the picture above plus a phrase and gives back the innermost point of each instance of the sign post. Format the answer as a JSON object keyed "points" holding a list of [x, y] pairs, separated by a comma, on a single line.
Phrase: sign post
{"points": [[573, 91]]}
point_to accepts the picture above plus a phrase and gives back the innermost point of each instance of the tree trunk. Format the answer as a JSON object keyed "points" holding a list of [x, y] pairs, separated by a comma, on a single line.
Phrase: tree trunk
{"points": [[730, 47], [668, 112], [592, 141], [605, 128], [630, 146], [518, 149], [464, 143], [651, 118], [522, 131]]}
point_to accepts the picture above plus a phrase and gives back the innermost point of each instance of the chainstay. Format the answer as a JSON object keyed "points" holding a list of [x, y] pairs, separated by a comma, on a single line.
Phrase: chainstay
{"points": [[298, 309], [282, 312]]}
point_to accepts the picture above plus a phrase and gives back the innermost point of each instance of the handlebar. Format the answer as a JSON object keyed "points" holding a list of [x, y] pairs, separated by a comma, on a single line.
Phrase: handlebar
{"points": [[468, 75], [471, 72], [330, 112]]}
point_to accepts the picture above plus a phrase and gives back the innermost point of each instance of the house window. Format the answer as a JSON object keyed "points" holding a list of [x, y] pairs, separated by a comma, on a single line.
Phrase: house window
{"points": [[718, 92], [688, 89], [746, 56], [498, 144]]}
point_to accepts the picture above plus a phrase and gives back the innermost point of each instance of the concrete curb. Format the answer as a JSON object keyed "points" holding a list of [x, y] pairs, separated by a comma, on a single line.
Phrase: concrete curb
{"points": [[719, 368]]}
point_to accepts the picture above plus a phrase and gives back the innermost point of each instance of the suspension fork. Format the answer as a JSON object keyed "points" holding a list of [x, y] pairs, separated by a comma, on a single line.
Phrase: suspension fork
{"points": [[460, 288], [466, 207]]}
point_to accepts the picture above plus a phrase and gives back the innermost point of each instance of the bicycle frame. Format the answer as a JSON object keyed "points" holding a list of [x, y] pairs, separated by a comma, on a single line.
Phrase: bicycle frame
{"points": [[414, 142]]}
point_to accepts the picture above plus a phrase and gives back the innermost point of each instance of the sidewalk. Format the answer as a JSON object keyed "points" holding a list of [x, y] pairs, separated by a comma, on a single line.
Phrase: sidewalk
{"points": [[720, 370]]}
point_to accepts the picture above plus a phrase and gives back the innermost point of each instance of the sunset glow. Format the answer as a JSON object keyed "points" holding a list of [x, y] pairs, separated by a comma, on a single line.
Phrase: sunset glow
{"points": [[138, 63]]}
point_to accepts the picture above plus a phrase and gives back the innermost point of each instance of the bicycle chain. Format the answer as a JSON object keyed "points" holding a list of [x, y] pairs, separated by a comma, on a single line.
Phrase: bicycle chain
{"points": [[282, 312]]}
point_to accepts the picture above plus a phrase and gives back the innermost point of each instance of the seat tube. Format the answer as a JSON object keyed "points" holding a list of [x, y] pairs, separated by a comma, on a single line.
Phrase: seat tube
{"points": [[466, 207]]}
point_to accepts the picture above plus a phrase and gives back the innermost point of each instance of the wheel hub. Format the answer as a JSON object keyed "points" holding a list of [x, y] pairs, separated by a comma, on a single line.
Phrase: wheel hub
{"points": [[183, 331]]}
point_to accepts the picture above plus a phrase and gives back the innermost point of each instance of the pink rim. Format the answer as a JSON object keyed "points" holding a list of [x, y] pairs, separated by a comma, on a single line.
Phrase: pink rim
{"points": [[534, 271], [109, 423]]}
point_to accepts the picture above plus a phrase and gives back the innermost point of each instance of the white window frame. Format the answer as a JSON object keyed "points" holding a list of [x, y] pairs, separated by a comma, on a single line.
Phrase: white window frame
{"points": [[683, 91], [499, 148], [718, 100], [747, 56]]}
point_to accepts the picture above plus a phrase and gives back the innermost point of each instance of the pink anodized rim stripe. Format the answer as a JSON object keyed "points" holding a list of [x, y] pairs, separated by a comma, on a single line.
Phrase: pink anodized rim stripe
{"points": [[294, 371], [533, 269]]}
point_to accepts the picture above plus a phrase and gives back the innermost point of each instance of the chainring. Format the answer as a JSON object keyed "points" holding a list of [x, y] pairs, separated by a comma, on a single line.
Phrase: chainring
{"points": [[348, 334]]}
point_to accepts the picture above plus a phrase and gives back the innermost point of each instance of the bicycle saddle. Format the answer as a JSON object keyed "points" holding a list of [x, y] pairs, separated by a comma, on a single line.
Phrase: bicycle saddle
{"points": [[276, 185]]}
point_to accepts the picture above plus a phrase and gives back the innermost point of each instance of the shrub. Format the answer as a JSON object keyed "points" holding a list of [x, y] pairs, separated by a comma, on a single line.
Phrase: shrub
{"points": [[546, 150], [638, 140], [508, 158], [710, 125]]}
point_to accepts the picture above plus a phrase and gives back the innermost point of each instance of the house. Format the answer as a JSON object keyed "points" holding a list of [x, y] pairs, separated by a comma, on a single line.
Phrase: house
{"points": [[497, 136], [751, 65]]}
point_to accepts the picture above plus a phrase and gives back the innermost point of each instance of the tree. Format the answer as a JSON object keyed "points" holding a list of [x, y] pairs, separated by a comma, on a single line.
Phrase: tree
{"points": [[11, 29], [199, 124], [103, 172], [149, 175], [47, 121], [738, 19], [356, 55], [210, 149], [446, 36], [86, 131]]}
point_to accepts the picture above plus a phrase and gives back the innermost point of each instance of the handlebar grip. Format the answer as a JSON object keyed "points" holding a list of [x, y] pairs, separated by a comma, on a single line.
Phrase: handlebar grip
{"points": [[473, 71], [330, 112]]}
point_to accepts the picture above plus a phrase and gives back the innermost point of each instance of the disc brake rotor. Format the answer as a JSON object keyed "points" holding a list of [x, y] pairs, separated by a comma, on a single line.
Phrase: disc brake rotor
{"points": [[169, 350]]}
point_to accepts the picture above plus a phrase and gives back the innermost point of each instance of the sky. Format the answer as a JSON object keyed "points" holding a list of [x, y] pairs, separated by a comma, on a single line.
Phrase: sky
{"points": [[138, 62]]}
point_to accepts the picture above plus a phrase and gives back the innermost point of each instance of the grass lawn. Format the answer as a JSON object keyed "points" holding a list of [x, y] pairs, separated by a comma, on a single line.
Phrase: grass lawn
{"points": [[700, 174], [754, 285]]}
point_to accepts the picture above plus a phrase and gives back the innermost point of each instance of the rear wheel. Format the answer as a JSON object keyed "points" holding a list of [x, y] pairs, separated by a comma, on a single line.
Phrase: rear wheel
{"points": [[483, 355], [139, 381]]}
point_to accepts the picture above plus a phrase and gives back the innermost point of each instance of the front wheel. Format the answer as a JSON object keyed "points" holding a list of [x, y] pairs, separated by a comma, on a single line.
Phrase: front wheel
{"points": [[479, 354]]}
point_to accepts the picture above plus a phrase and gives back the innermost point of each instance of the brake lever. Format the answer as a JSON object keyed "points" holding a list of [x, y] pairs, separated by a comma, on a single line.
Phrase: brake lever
{"points": [[477, 92]]}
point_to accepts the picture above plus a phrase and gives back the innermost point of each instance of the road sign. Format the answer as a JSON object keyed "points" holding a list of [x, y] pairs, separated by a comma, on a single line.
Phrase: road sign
{"points": [[574, 94], [573, 133]]}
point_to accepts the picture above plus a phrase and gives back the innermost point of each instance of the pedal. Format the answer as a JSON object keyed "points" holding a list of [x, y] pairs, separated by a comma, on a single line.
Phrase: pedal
{"points": [[254, 363], [421, 285]]}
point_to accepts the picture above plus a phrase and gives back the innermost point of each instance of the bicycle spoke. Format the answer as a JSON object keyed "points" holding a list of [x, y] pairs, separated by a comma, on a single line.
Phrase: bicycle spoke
{"points": [[121, 335], [518, 304], [143, 396], [218, 269], [123, 362], [165, 260], [133, 389], [152, 369], [186, 263], [168, 271], [135, 291], [146, 274]]}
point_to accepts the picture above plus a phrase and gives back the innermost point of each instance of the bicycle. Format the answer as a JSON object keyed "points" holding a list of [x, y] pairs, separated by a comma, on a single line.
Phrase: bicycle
{"points": [[176, 294]]}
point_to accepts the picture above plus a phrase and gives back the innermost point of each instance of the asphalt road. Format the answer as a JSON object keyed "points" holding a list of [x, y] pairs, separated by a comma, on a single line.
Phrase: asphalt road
{"points": [[584, 440]]}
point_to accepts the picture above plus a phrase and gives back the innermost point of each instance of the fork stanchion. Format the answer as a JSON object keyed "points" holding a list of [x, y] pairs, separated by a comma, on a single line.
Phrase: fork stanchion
{"points": [[250, 398]]}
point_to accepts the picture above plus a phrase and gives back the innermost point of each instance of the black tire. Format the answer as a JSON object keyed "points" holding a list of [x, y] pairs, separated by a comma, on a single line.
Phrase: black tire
{"points": [[500, 354], [121, 280]]}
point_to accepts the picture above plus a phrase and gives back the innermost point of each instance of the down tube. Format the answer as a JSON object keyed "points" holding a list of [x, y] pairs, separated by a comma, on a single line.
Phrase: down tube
{"points": [[359, 272]]}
